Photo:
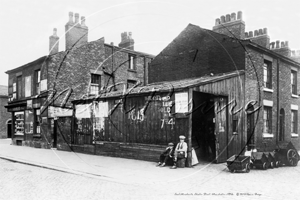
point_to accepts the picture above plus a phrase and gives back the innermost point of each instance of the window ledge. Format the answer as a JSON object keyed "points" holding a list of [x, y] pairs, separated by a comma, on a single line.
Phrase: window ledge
{"points": [[132, 70], [19, 134], [268, 90], [37, 135], [295, 96], [268, 135], [294, 135]]}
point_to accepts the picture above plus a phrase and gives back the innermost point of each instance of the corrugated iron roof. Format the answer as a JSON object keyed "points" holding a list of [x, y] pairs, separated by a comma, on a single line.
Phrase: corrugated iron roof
{"points": [[168, 85], [3, 90]]}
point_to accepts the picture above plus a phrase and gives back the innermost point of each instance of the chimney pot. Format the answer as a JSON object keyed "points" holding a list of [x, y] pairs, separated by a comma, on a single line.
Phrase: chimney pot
{"points": [[53, 42], [277, 44], [265, 31], [70, 17], [76, 18], [255, 33], [282, 44], [286, 44], [222, 19], [83, 21], [227, 18], [260, 32], [54, 32], [240, 15], [233, 16], [246, 35], [250, 34], [217, 21]]}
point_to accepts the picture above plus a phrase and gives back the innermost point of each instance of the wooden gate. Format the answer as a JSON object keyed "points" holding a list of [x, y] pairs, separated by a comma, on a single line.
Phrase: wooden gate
{"points": [[221, 129]]}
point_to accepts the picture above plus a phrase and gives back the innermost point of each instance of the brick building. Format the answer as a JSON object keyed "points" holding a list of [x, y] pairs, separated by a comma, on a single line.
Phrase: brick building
{"points": [[40, 91], [5, 121], [271, 75]]}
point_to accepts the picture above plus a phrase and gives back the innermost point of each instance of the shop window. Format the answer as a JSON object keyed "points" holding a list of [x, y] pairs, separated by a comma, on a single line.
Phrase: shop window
{"points": [[132, 62], [19, 123], [29, 122], [294, 120], [95, 84], [267, 119], [267, 74], [37, 122], [294, 82], [37, 80]]}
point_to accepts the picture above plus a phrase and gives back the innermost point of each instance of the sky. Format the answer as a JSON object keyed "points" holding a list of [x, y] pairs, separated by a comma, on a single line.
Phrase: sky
{"points": [[27, 24]]}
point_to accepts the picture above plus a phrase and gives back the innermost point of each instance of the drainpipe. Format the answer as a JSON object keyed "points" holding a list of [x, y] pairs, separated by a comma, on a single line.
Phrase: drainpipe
{"points": [[278, 107]]}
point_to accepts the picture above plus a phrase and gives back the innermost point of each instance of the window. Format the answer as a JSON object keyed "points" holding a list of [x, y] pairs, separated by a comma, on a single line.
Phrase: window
{"points": [[294, 82], [131, 83], [27, 86], [95, 84], [132, 62], [37, 77], [267, 74], [37, 121], [294, 119], [235, 125], [19, 87], [267, 119], [14, 91]]}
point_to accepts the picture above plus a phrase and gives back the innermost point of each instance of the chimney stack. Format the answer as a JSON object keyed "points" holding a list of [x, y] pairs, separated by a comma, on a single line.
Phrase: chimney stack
{"points": [[53, 42], [230, 25], [261, 37], [126, 41], [76, 32], [281, 48]]}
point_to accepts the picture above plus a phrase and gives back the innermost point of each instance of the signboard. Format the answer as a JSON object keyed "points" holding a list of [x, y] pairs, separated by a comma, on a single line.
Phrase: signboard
{"points": [[181, 102], [59, 112], [101, 109], [29, 104], [83, 111]]}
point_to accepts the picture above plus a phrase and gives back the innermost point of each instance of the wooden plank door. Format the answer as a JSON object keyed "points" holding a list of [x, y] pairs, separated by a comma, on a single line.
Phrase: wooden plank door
{"points": [[221, 129]]}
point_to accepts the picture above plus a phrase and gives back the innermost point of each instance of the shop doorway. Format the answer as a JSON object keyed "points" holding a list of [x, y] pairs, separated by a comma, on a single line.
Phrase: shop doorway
{"points": [[208, 121], [8, 128]]}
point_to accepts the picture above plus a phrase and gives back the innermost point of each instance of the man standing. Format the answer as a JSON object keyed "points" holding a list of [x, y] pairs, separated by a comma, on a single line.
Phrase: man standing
{"points": [[180, 151]]}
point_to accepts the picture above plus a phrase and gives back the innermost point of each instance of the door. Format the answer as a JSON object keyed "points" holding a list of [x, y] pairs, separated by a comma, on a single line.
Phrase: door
{"points": [[281, 124], [9, 129], [221, 129]]}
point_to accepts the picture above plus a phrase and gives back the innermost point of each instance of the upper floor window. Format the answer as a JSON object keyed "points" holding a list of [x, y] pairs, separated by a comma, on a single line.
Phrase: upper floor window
{"points": [[14, 95], [267, 119], [37, 77], [267, 74], [27, 86], [294, 119], [95, 84], [131, 83], [19, 87], [132, 62], [294, 82]]}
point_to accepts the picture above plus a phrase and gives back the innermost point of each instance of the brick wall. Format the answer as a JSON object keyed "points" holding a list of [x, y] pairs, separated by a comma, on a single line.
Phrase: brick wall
{"points": [[4, 117], [197, 52]]}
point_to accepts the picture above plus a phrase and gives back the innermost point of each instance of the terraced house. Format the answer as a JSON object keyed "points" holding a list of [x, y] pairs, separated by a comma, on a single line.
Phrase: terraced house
{"points": [[40, 91]]}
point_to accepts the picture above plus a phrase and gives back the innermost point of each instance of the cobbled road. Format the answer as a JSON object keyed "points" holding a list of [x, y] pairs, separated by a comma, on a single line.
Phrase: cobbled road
{"points": [[25, 182]]}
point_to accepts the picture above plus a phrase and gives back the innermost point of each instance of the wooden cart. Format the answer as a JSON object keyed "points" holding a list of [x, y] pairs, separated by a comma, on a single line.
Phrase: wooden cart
{"points": [[287, 154], [260, 160], [239, 163]]}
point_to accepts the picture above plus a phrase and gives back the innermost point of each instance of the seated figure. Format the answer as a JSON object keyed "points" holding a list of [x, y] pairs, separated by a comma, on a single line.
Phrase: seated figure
{"points": [[166, 158], [180, 151]]}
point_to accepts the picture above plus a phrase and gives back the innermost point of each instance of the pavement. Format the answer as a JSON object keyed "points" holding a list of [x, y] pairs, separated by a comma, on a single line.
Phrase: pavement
{"points": [[114, 169]]}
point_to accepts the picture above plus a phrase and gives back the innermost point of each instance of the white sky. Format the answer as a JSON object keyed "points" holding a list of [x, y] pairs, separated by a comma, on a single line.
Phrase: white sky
{"points": [[27, 24]]}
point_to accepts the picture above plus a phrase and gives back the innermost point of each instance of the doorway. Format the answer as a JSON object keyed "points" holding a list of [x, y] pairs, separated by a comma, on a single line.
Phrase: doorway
{"points": [[9, 128], [54, 145], [209, 127]]}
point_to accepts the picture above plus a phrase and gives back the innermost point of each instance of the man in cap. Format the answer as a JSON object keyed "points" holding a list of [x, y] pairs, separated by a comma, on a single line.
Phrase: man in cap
{"points": [[167, 156], [180, 150]]}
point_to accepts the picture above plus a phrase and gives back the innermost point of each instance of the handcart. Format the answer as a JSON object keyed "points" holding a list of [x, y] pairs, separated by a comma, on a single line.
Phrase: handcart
{"points": [[238, 163], [260, 160], [287, 154]]}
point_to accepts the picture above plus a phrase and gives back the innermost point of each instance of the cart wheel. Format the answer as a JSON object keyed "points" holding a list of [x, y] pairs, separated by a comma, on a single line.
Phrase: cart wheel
{"points": [[292, 157], [232, 170], [264, 166], [247, 168], [272, 165], [277, 164]]}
